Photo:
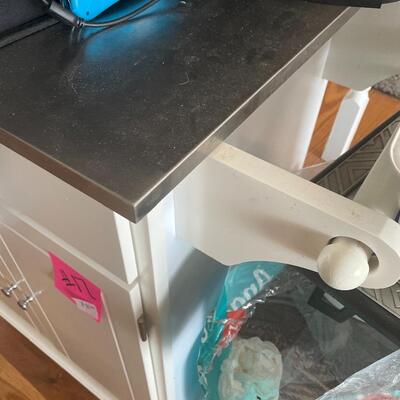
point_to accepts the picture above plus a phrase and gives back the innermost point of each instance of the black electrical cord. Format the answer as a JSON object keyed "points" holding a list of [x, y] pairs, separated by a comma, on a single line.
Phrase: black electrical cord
{"points": [[68, 17]]}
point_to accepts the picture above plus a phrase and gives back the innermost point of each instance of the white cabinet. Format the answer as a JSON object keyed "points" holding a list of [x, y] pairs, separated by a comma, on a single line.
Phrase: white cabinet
{"points": [[110, 351]]}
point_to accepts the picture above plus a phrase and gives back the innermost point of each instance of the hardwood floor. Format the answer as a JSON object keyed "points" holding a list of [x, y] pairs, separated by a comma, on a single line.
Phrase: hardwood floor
{"points": [[34, 376], [13, 385], [46, 379]]}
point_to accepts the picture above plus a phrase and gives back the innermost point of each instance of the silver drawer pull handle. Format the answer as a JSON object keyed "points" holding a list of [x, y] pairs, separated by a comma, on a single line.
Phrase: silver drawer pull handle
{"points": [[24, 303], [10, 288]]}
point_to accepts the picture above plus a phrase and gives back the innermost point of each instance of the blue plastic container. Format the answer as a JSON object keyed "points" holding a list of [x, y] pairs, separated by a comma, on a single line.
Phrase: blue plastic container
{"points": [[89, 9]]}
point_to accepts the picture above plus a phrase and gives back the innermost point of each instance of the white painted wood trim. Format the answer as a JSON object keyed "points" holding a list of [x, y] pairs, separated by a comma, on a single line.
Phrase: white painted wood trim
{"points": [[122, 226], [150, 240], [145, 349]]}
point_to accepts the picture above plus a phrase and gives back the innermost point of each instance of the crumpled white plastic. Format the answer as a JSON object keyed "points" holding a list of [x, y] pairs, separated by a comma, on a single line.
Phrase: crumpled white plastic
{"points": [[253, 370], [379, 381]]}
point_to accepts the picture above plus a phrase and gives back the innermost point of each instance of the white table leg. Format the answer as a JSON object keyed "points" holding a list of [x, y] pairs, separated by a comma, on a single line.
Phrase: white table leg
{"points": [[346, 123]]}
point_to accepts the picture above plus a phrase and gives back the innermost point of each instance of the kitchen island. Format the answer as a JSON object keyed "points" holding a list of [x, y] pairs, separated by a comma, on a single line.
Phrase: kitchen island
{"points": [[98, 129]]}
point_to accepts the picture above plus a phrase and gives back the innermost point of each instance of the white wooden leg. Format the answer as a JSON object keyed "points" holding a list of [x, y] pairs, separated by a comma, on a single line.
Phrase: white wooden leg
{"points": [[346, 123]]}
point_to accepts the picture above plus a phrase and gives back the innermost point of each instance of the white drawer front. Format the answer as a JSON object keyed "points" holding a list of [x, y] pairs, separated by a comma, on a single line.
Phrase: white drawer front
{"points": [[99, 348], [69, 214]]}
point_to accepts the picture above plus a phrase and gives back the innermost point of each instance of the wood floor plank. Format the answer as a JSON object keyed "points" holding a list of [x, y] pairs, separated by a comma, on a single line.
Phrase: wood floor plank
{"points": [[13, 386]]}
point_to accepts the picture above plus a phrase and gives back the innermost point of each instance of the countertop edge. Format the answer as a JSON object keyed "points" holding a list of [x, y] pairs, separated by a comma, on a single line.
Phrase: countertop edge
{"points": [[146, 203], [80, 182]]}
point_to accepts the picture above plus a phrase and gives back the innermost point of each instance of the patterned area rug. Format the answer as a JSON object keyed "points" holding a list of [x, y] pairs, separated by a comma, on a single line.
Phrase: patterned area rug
{"points": [[390, 86]]}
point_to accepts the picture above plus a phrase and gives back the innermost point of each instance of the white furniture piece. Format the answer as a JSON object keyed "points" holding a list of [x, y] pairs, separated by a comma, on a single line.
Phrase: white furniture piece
{"points": [[160, 277]]}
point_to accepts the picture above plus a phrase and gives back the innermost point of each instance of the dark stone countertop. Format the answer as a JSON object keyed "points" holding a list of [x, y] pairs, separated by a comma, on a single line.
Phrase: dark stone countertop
{"points": [[125, 114]]}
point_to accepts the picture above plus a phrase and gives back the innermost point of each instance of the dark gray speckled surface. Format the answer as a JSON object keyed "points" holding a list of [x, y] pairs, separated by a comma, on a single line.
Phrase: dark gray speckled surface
{"points": [[125, 114]]}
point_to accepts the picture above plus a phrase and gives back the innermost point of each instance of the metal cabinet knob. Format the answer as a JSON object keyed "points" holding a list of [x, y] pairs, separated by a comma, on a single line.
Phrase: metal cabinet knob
{"points": [[10, 288], [24, 303]]}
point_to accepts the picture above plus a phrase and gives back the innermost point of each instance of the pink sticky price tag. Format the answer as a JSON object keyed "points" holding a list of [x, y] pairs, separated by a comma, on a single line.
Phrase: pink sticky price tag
{"points": [[80, 290]]}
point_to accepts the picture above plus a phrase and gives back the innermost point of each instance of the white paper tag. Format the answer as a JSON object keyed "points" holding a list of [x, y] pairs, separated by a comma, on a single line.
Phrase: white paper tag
{"points": [[86, 307]]}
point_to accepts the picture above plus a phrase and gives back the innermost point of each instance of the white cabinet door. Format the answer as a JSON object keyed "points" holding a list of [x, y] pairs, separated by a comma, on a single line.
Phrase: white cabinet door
{"points": [[11, 276], [109, 350]]}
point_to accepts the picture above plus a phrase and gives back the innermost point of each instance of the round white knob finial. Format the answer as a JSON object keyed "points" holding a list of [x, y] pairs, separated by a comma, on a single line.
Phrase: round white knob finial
{"points": [[343, 264]]}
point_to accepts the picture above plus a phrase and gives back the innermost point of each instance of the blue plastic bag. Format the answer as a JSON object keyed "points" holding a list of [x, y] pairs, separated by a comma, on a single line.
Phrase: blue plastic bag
{"points": [[245, 285]]}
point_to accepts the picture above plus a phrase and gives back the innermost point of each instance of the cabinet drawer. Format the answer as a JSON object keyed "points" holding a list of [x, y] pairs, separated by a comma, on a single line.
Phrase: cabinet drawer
{"points": [[77, 219], [109, 350]]}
